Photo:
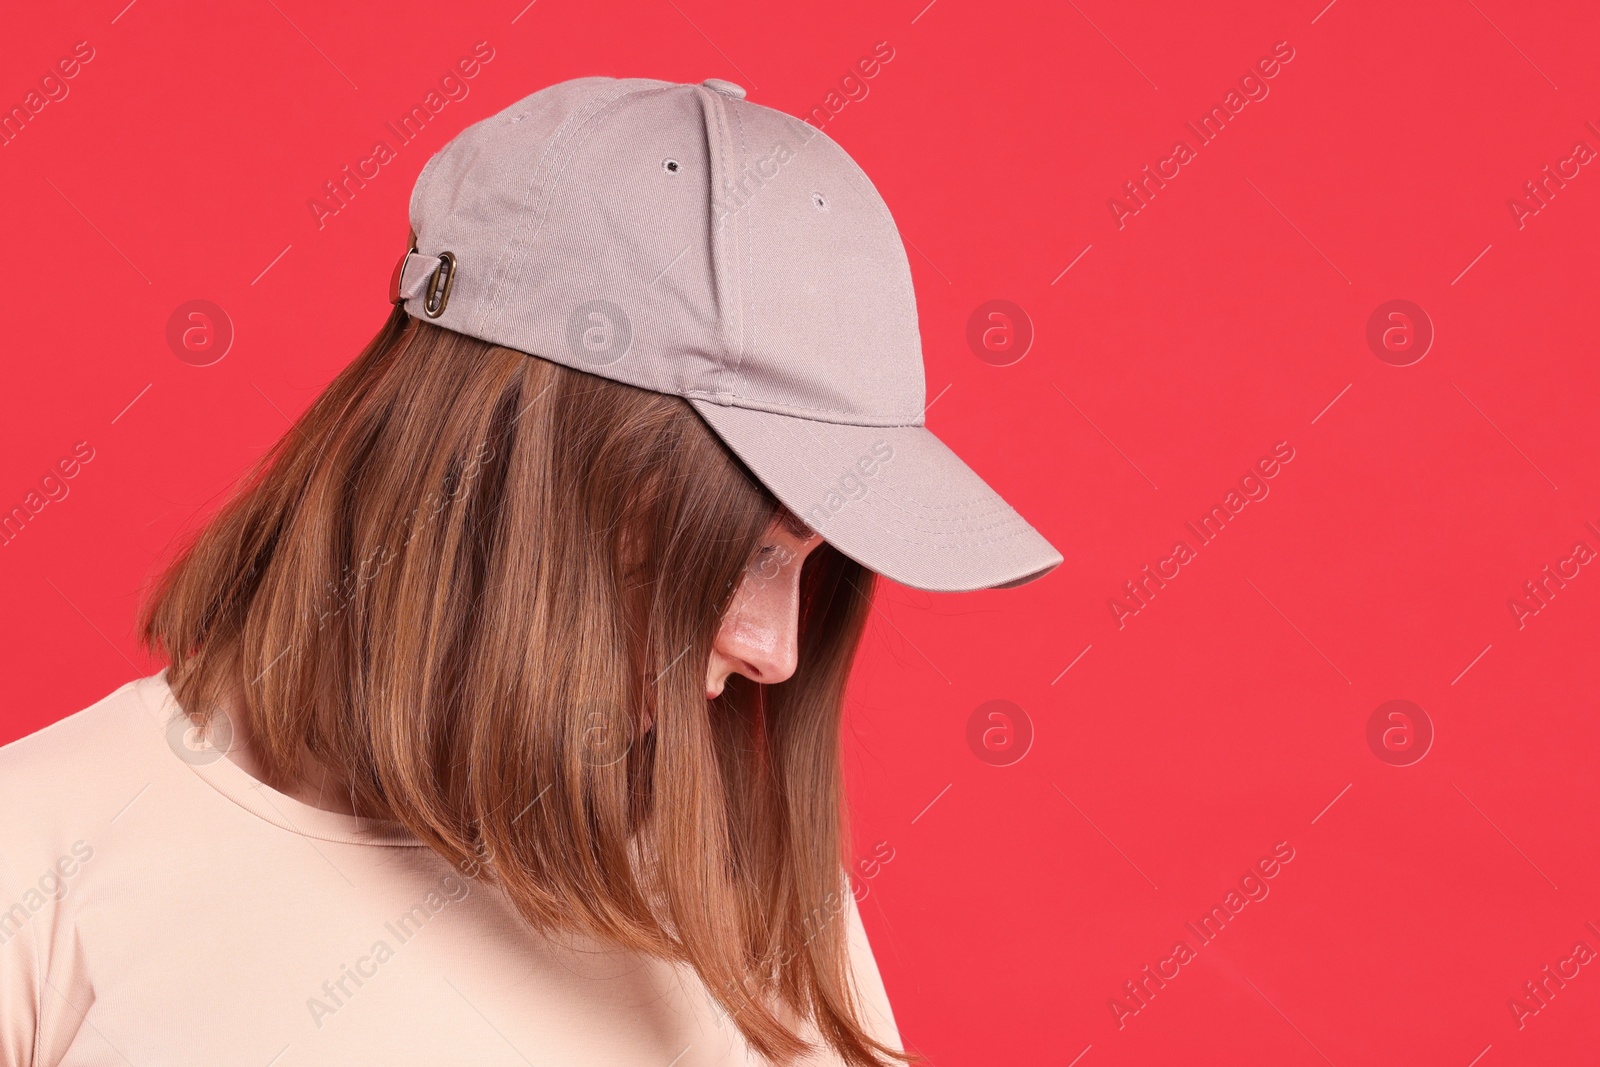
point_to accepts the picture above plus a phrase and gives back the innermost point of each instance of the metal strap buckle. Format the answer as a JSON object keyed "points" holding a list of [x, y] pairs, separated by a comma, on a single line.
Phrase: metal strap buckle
{"points": [[437, 294]]}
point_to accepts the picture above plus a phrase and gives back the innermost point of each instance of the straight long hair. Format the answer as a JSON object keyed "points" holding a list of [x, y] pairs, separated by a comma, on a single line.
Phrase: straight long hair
{"points": [[482, 589]]}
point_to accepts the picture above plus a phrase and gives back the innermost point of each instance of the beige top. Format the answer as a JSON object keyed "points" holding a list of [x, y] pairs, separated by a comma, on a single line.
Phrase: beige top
{"points": [[159, 906]]}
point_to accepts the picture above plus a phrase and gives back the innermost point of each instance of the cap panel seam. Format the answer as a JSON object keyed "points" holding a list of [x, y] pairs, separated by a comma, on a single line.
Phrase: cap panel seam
{"points": [[749, 321], [724, 244], [502, 271], [489, 317], [874, 200]]}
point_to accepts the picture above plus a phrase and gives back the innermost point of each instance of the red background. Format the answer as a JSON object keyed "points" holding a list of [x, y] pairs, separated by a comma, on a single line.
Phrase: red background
{"points": [[1225, 316]]}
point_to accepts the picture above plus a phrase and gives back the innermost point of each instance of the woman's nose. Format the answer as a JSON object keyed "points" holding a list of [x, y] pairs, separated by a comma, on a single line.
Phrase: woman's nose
{"points": [[769, 658], [761, 635]]}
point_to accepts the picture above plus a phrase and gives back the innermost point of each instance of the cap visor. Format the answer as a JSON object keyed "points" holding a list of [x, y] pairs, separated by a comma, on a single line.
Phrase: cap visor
{"points": [[895, 499]]}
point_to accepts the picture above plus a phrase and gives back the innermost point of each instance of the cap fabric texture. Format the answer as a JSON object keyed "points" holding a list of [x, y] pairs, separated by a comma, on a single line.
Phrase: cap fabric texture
{"points": [[679, 238]]}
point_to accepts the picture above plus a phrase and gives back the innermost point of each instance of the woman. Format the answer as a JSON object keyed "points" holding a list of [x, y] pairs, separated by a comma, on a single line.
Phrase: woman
{"points": [[501, 720]]}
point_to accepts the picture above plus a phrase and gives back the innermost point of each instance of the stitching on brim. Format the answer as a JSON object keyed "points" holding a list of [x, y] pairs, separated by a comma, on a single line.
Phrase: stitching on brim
{"points": [[795, 411]]}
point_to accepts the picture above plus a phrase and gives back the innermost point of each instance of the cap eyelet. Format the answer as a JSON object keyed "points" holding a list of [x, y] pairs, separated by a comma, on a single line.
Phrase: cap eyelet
{"points": [[821, 204], [437, 294], [671, 166]]}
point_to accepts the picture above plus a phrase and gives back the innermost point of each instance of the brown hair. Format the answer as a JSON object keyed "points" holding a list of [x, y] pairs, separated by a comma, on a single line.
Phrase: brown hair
{"points": [[464, 581]]}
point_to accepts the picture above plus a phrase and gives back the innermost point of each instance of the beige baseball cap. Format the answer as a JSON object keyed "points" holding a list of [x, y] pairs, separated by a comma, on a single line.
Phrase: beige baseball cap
{"points": [[679, 238]]}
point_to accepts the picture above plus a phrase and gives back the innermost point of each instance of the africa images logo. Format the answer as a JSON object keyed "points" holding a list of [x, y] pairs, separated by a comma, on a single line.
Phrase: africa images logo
{"points": [[1138, 992], [452, 87], [1138, 192]]}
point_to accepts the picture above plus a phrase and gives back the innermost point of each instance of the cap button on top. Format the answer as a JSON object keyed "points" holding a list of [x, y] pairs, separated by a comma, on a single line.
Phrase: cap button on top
{"points": [[727, 88]]}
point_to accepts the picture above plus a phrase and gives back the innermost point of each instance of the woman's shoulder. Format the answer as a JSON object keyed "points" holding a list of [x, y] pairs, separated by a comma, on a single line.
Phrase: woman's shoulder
{"points": [[76, 770], [83, 734], [62, 790]]}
